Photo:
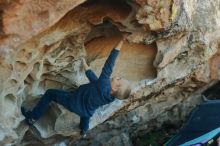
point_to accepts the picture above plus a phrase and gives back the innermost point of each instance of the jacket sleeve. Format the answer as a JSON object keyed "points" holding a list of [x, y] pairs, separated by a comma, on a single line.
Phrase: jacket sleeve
{"points": [[84, 123], [91, 75], [109, 64]]}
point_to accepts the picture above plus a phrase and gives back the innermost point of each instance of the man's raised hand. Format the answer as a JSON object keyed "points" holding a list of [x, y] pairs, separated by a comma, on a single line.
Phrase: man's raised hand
{"points": [[124, 36]]}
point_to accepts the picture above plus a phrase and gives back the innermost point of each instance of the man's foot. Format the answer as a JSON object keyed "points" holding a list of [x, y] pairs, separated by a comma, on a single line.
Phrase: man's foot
{"points": [[83, 133], [26, 113]]}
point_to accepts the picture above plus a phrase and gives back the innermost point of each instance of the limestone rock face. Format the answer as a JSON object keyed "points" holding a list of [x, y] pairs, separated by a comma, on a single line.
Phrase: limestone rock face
{"points": [[171, 56], [156, 15]]}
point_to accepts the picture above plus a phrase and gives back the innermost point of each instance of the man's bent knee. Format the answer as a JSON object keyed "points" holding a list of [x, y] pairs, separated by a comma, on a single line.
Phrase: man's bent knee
{"points": [[49, 91], [49, 94]]}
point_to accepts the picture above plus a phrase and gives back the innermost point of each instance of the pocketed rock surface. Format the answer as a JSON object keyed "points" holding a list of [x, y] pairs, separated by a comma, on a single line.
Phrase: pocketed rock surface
{"points": [[171, 56]]}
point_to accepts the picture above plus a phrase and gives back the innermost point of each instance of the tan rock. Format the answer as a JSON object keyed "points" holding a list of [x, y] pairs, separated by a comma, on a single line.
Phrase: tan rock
{"points": [[42, 43], [159, 17], [23, 19]]}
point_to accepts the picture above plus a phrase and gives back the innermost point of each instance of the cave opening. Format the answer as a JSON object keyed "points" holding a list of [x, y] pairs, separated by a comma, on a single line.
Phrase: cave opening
{"points": [[135, 61], [110, 19]]}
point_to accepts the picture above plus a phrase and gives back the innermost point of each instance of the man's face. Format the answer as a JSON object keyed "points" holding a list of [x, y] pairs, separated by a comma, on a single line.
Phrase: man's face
{"points": [[115, 83]]}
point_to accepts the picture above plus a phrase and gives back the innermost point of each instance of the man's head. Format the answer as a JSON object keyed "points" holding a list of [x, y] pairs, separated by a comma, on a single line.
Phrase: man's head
{"points": [[120, 88]]}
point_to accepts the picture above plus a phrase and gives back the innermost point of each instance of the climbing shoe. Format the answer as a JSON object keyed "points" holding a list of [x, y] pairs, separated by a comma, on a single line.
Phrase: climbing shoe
{"points": [[83, 133], [26, 113]]}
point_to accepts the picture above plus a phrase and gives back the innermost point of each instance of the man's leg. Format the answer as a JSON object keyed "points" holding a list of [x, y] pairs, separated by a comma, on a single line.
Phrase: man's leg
{"points": [[59, 96]]}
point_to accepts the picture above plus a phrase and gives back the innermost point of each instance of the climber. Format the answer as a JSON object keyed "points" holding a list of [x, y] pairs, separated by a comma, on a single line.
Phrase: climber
{"points": [[88, 97]]}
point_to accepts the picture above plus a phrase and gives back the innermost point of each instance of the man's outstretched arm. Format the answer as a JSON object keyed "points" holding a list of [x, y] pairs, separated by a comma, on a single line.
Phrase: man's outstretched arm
{"points": [[84, 125], [89, 73], [110, 62]]}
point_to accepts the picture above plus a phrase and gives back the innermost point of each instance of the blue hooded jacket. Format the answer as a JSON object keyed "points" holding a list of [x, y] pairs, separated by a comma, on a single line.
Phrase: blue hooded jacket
{"points": [[89, 97]]}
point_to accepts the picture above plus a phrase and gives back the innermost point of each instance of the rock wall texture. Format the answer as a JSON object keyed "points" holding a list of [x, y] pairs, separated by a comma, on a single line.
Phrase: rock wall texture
{"points": [[171, 56]]}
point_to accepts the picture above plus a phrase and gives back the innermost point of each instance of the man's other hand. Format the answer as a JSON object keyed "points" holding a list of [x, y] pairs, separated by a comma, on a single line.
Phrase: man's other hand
{"points": [[85, 65]]}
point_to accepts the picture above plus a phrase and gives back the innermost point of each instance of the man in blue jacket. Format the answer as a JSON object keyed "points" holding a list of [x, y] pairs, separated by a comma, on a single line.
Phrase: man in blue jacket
{"points": [[88, 97]]}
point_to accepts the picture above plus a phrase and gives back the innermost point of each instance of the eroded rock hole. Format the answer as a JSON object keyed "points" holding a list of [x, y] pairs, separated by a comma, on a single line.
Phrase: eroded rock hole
{"points": [[9, 101], [20, 66], [135, 61]]}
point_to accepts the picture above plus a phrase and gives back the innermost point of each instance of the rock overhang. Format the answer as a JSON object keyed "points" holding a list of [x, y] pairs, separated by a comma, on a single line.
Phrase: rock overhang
{"points": [[49, 57]]}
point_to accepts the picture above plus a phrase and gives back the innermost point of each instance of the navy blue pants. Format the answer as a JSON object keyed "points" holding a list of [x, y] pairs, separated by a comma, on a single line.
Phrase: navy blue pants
{"points": [[61, 97]]}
